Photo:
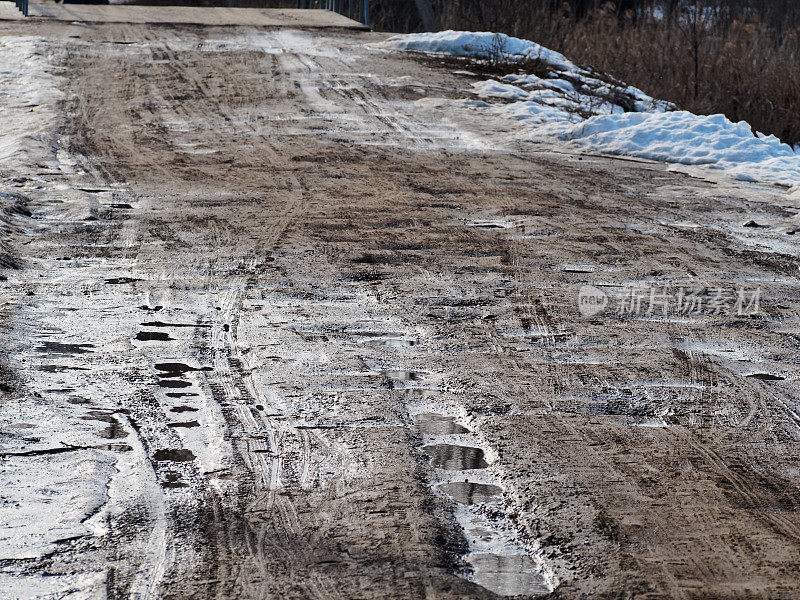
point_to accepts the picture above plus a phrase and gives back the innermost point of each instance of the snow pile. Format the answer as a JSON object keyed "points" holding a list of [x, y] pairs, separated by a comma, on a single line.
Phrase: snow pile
{"points": [[583, 92], [591, 110], [690, 139], [479, 45]]}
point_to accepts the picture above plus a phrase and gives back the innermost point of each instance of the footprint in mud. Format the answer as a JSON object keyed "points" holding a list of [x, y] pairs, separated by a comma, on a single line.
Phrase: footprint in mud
{"points": [[452, 457]]}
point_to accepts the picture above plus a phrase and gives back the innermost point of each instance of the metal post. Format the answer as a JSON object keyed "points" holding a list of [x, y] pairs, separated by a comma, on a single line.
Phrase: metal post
{"points": [[351, 4], [366, 12]]}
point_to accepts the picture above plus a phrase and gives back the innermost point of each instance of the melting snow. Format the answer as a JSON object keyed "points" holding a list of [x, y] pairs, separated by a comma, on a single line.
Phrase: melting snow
{"points": [[592, 111]]}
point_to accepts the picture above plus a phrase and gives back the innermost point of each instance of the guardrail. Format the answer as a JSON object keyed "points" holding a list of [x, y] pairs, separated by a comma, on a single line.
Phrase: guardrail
{"points": [[23, 6], [357, 10]]}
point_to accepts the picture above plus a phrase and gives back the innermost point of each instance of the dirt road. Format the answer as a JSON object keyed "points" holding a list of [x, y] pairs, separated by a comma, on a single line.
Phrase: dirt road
{"points": [[285, 327]]}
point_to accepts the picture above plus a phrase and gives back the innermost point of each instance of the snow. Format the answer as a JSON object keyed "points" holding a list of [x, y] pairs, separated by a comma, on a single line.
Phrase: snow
{"points": [[28, 96], [479, 45], [690, 139], [55, 477], [591, 111]]}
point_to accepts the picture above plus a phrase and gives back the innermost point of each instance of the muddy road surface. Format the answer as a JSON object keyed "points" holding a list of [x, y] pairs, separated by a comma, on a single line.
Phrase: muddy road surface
{"points": [[279, 324]]}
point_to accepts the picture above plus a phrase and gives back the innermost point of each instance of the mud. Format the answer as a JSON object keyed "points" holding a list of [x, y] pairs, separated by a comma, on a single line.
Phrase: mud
{"points": [[373, 379]]}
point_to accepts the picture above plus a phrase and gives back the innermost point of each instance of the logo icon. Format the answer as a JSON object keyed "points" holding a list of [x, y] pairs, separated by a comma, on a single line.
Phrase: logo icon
{"points": [[591, 300]]}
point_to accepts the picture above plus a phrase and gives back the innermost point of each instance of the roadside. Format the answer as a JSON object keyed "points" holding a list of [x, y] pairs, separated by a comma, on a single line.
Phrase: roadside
{"points": [[272, 296]]}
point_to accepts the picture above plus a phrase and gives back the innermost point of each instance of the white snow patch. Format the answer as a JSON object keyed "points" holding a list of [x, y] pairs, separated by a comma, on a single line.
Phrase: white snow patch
{"points": [[689, 139], [478, 44]]}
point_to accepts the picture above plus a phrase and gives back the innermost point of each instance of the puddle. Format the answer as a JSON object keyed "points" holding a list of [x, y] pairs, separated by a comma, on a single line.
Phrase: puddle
{"points": [[766, 377], [121, 205], [59, 348], [498, 561], [452, 457], [180, 394], [113, 431], [60, 368], [400, 377], [163, 324], [641, 421], [169, 383], [465, 492], [184, 424], [153, 336], [508, 575], [183, 409], [490, 224], [389, 342], [436, 424], [174, 455], [174, 369], [172, 479], [174, 484], [115, 447], [121, 280]]}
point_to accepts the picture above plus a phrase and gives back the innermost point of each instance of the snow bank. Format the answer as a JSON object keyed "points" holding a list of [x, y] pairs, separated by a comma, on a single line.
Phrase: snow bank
{"points": [[690, 139], [566, 77], [590, 110], [478, 44]]}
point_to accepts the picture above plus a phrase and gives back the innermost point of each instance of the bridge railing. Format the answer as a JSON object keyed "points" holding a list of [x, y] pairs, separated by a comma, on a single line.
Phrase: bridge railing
{"points": [[357, 10]]}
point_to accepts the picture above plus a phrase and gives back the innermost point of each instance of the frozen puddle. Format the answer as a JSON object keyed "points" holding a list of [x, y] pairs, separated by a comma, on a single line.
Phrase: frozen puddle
{"points": [[461, 474]]}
